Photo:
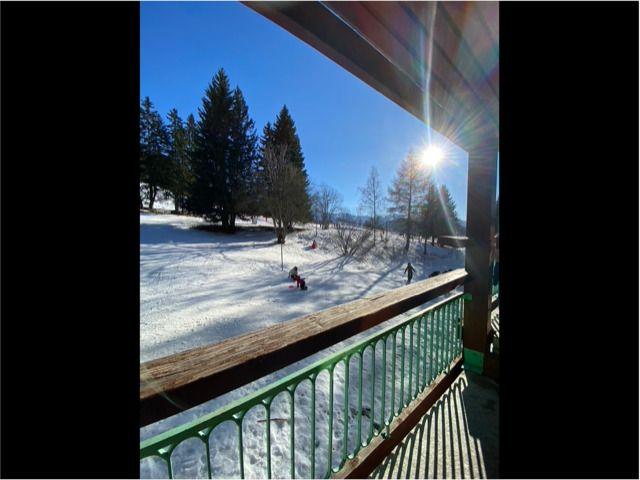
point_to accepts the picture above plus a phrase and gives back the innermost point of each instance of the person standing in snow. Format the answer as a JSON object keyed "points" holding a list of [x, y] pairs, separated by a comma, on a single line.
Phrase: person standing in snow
{"points": [[293, 273], [409, 271]]}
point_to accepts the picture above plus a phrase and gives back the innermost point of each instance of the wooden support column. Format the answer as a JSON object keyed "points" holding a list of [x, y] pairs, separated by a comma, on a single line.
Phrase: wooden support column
{"points": [[481, 199]]}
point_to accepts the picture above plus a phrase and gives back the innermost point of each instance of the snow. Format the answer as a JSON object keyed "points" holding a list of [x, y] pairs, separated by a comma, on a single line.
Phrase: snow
{"points": [[199, 287]]}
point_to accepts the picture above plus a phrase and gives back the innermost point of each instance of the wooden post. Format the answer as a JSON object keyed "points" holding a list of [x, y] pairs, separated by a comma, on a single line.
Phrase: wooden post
{"points": [[481, 199]]}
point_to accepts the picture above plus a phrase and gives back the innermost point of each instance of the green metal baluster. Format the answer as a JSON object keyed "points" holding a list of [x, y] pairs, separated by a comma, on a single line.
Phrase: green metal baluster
{"points": [[444, 337], [373, 391], [419, 358], [418, 350], [267, 406], [452, 332], [443, 309], [438, 341], [313, 426], [447, 347], [293, 432], [460, 315], [442, 340], [431, 340], [332, 369], [401, 406], [425, 324], [206, 444], [359, 437], [410, 361], [416, 388], [384, 385], [346, 411], [240, 447], [169, 466], [393, 380]]}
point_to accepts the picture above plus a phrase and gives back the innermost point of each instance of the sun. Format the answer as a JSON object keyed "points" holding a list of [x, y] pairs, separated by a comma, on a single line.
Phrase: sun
{"points": [[432, 155]]}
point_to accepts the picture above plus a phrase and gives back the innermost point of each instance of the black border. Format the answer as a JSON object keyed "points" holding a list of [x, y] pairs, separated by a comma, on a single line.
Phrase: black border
{"points": [[568, 188], [569, 240], [70, 240]]}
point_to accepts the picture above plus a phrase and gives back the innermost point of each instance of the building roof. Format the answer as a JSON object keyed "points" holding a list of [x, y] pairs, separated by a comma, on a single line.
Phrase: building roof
{"points": [[437, 60]]}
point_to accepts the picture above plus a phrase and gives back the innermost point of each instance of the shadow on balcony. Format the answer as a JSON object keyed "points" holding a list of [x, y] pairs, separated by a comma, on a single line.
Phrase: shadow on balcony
{"points": [[456, 438]]}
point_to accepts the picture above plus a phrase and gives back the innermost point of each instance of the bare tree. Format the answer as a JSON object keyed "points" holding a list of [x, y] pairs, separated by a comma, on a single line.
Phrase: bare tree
{"points": [[407, 189], [350, 237], [372, 199], [283, 185], [327, 202], [314, 197]]}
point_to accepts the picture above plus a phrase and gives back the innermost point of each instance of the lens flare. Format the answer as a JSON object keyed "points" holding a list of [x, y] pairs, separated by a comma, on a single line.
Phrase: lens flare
{"points": [[432, 155]]}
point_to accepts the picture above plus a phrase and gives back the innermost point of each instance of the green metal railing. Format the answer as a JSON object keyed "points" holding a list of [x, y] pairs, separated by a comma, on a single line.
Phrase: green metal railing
{"points": [[421, 348]]}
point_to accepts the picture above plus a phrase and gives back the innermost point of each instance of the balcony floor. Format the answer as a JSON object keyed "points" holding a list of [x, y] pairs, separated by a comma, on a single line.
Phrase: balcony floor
{"points": [[456, 438]]}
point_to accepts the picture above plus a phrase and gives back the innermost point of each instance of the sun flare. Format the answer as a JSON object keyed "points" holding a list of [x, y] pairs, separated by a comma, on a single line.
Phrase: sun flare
{"points": [[432, 155]]}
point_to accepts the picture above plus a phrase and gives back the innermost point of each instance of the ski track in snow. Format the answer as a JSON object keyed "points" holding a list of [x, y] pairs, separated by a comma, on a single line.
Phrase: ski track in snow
{"points": [[198, 288]]}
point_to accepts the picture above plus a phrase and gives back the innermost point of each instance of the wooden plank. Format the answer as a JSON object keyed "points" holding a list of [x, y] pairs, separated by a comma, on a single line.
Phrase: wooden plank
{"points": [[452, 41], [177, 382], [452, 241], [456, 81], [409, 57], [374, 454]]}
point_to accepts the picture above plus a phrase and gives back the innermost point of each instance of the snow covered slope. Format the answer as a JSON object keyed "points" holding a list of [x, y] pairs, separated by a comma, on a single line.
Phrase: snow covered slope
{"points": [[199, 287]]}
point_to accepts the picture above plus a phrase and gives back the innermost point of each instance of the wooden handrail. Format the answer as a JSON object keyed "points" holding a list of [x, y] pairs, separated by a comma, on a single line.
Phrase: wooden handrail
{"points": [[183, 380]]}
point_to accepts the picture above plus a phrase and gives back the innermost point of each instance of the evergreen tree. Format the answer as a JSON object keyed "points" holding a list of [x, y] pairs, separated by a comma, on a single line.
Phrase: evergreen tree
{"points": [[155, 166], [258, 187], [405, 193], [241, 163], [447, 219], [438, 214], [211, 151], [282, 135], [180, 159], [224, 153], [430, 211]]}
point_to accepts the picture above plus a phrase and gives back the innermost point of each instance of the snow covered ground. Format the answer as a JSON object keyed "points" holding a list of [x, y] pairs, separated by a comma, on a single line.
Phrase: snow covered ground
{"points": [[199, 287]]}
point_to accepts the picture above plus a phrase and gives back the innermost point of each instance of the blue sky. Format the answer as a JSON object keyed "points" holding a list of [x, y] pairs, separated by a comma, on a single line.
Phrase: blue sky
{"points": [[345, 126]]}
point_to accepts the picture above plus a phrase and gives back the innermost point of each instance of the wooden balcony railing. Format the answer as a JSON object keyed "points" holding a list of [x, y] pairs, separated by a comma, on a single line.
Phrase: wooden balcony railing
{"points": [[414, 361]]}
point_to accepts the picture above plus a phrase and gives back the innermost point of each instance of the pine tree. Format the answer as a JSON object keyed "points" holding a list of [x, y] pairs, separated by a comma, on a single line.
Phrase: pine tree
{"points": [[429, 214], [155, 166], [211, 151], [180, 159], [224, 154], [405, 192], [241, 162], [447, 220], [282, 135]]}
